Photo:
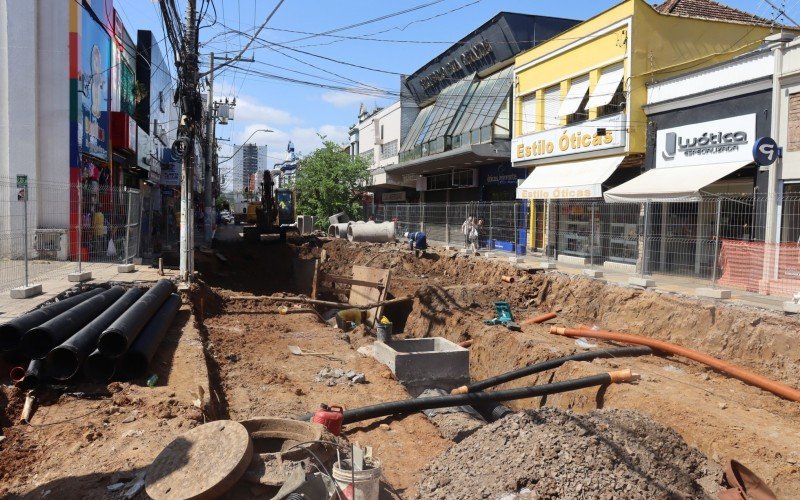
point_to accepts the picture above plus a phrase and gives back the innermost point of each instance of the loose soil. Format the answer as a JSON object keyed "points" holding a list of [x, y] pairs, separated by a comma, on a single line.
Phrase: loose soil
{"points": [[238, 351], [551, 453]]}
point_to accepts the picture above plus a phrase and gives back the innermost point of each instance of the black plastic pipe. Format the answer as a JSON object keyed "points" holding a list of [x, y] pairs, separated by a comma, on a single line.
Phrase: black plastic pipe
{"points": [[99, 368], [619, 352], [116, 339], [64, 361], [38, 341], [419, 404], [134, 363], [34, 374], [11, 332]]}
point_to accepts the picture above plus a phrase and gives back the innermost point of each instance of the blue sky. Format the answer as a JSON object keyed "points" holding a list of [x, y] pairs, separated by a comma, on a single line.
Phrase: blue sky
{"points": [[298, 112]]}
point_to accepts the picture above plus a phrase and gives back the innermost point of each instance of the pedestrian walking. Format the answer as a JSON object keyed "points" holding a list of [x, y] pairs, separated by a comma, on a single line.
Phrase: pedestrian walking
{"points": [[474, 236], [466, 229]]}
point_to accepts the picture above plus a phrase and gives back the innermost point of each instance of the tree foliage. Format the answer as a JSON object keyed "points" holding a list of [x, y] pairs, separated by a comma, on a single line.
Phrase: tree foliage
{"points": [[329, 181]]}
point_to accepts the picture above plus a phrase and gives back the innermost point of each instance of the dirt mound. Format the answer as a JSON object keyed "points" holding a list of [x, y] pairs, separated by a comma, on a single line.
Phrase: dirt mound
{"points": [[550, 453]]}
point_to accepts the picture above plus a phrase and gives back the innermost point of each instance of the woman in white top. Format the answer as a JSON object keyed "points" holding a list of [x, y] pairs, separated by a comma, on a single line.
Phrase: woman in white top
{"points": [[466, 229]]}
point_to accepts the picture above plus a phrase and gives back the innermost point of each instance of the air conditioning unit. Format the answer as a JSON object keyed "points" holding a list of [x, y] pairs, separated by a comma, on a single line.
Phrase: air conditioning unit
{"points": [[51, 244]]}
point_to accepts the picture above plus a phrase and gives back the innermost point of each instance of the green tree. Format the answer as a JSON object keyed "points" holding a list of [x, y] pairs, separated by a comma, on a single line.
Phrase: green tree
{"points": [[329, 181], [222, 203]]}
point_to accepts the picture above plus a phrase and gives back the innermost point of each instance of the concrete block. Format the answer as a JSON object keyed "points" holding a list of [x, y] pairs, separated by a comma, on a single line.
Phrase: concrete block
{"points": [[25, 292], [488, 255], [619, 267], [126, 268], [572, 259], [547, 265], [791, 307], [593, 273], [513, 260], [642, 282], [428, 362], [79, 277], [713, 293]]}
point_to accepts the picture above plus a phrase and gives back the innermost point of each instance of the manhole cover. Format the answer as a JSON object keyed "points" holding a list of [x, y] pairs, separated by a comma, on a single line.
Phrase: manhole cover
{"points": [[203, 463]]}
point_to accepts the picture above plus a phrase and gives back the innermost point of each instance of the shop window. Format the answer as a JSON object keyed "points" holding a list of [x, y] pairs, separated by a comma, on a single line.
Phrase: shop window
{"points": [[790, 211], [581, 114], [528, 114], [552, 102], [616, 105]]}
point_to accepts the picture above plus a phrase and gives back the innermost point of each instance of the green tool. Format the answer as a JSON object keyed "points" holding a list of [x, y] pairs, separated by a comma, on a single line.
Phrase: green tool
{"points": [[504, 316]]}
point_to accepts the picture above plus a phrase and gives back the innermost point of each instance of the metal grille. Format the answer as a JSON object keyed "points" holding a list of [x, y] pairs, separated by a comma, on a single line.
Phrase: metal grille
{"points": [[49, 230], [718, 241]]}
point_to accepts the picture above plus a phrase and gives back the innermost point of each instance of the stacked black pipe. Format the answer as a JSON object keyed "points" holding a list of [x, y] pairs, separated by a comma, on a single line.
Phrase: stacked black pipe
{"points": [[95, 330], [11, 332], [115, 340]]}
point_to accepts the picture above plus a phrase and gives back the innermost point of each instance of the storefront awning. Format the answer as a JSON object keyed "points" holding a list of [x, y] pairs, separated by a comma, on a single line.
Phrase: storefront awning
{"points": [[578, 179], [671, 183]]}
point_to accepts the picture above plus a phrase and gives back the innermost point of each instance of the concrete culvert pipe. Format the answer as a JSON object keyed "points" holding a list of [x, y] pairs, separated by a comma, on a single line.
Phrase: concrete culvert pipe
{"points": [[38, 341], [99, 368], [135, 362], [116, 339], [65, 360], [376, 233], [341, 229], [11, 333], [332, 231]]}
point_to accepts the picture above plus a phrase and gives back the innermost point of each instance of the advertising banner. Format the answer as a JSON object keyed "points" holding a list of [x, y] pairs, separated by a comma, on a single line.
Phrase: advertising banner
{"points": [[585, 137], [717, 141], [94, 91]]}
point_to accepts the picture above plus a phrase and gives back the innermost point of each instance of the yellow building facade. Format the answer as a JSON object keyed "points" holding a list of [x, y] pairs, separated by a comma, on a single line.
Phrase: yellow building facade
{"points": [[579, 127]]}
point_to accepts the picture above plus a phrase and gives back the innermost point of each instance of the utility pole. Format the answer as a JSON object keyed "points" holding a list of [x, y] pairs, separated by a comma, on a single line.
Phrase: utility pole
{"points": [[208, 185], [189, 119]]}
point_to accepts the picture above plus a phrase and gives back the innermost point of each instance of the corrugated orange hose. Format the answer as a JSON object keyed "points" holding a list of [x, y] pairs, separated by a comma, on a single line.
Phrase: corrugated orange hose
{"points": [[745, 376]]}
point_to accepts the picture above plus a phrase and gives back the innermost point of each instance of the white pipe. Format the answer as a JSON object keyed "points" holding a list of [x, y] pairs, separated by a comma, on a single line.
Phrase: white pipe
{"points": [[341, 229], [377, 233]]}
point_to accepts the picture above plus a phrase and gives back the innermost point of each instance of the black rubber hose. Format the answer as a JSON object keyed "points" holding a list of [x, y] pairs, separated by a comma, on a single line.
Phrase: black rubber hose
{"points": [[116, 339], [135, 362], [64, 361], [619, 352], [492, 411], [11, 332], [38, 341], [419, 404], [99, 368]]}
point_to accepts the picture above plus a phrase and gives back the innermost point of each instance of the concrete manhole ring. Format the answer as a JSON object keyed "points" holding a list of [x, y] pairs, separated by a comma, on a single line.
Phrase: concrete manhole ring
{"points": [[202, 463]]}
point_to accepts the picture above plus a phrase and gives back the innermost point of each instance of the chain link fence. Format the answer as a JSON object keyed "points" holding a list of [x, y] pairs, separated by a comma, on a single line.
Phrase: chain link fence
{"points": [[720, 241], [49, 230]]}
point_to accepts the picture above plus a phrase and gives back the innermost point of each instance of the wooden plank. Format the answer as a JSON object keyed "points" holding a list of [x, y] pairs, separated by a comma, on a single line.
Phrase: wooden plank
{"points": [[350, 281], [314, 280], [361, 295]]}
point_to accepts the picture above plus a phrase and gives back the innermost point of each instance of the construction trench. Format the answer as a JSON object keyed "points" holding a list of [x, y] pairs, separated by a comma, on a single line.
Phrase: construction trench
{"points": [[668, 433]]}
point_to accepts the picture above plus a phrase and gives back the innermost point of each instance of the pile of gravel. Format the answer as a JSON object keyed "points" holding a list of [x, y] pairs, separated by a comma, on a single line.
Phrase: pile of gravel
{"points": [[551, 453]]}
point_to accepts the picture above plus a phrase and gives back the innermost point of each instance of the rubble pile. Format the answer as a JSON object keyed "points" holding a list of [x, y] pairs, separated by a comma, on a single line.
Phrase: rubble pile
{"points": [[334, 376], [551, 453]]}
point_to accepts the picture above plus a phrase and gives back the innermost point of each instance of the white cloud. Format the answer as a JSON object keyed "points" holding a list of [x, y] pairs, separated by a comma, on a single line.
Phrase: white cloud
{"points": [[343, 99], [249, 110]]}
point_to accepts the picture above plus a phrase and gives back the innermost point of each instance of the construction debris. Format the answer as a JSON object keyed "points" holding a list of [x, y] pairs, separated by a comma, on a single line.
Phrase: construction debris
{"points": [[334, 376]]}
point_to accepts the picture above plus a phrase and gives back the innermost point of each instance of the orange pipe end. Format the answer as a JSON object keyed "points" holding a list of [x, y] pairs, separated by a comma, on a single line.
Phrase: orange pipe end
{"points": [[621, 376], [540, 318], [17, 374], [460, 390], [507, 279]]}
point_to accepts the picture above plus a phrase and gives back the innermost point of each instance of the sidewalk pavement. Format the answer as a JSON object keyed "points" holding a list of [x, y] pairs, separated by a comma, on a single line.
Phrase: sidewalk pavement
{"points": [[51, 287], [682, 285]]}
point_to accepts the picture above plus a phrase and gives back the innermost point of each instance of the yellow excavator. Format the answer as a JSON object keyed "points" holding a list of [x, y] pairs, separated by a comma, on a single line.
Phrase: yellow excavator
{"points": [[275, 213]]}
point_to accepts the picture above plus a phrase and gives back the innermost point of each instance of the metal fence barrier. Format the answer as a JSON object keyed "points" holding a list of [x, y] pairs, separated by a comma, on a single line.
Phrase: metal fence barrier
{"points": [[719, 241], [48, 230]]}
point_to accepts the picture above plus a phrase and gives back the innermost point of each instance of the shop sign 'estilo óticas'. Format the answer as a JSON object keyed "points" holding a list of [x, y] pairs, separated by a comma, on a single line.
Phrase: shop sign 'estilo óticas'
{"points": [[581, 138]]}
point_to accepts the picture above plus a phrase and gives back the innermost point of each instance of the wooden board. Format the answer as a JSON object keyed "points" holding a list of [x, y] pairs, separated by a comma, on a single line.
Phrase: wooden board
{"points": [[360, 295]]}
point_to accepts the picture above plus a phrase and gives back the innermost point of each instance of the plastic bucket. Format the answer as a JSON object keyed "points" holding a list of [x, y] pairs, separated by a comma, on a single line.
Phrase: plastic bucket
{"points": [[383, 332], [366, 484]]}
